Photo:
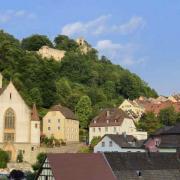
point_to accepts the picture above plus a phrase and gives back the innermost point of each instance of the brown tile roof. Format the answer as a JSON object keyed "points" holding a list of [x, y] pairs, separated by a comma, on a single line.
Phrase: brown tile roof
{"points": [[67, 166], [114, 117], [34, 114], [125, 141], [67, 113]]}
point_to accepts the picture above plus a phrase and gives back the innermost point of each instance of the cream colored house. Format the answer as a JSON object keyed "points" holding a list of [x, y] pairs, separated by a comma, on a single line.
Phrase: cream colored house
{"points": [[47, 52], [132, 108], [19, 124], [114, 121], [61, 123]]}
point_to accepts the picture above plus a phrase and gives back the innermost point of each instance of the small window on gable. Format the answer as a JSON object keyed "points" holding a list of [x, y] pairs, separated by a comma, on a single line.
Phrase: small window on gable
{"points": [[36, 125], [10, 95], [58, 127], [110, 143], [58, 120], [49, 121], [103, 144], [49, 128]]}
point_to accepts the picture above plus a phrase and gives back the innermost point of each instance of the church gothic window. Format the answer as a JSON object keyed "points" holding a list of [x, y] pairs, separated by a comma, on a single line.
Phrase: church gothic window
{"points": [[9, 119]]}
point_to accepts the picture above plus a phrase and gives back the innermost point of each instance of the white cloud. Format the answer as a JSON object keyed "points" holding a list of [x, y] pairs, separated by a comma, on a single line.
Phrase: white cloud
{"points": [[100, 26], [120, 53], [132, 25], [96, 26], [10, 15]]}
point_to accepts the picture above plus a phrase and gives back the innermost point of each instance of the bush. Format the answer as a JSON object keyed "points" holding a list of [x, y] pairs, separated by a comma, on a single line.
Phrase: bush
{"points": [[4, 159], [94, 142], [85, 149], [19, 157]]}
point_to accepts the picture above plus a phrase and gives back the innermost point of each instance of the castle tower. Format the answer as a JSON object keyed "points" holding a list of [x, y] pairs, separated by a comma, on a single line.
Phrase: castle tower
{"points": [[35, 126]]}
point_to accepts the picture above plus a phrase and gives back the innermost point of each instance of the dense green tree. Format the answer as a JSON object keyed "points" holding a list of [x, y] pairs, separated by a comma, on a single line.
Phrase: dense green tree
{"points": [[36, 96], [48, 82], [63, 42], [149, 123], [83, 111], [168, 116], [63, 90], [35, 42]]}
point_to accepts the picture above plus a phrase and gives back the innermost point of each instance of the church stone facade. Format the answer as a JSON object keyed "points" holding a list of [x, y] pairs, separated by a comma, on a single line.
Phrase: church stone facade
{"points": [[19, 124]]}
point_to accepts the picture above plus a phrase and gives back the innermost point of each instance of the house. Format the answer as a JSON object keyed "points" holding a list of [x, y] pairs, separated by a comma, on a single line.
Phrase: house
{"points": [[144, 166], [166, 139], [61, 123], [114, 121], [132, 108], [19, 124], [47, 52], [75, 167], [119, 143]]}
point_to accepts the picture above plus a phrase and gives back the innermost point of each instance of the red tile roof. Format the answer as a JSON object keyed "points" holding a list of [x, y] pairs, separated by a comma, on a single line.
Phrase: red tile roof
{"points": [[80, 166], [34, 114]]}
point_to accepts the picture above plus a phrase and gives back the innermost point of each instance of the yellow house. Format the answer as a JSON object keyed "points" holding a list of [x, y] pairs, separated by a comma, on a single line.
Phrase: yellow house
{"points": [[61, 123], [132, 108]]}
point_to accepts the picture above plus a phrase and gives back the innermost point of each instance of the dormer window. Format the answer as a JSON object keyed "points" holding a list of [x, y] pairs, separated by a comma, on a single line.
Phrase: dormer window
{"points": [[94, 121], [107, 121], [115, 121]]}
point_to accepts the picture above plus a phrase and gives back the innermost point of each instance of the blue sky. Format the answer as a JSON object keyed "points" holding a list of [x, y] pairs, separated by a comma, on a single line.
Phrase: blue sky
{"points": [[143, 36]]}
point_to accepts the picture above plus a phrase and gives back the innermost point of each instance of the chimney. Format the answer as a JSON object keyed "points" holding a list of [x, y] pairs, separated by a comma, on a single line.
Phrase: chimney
{"points": [[1, 78]]}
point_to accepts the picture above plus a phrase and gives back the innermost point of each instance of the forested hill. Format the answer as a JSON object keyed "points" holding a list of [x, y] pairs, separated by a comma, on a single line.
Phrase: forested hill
{"points": [[47, 82]]}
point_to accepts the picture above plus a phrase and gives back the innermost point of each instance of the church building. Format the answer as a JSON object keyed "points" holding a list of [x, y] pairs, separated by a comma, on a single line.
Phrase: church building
{"points": [[19, 124]]}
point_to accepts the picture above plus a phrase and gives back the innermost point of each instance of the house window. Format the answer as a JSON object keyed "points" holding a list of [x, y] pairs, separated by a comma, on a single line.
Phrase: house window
{"points": [[9, 119], [106, 129], [9, 137], [36, 125], [115, 121], [114, 129], [110, 143], [58, 127], [49, 121], [32, 148], [107, 121], [99, 129], [58, 120], [10, 95], [103, 144], [94, 129], [49, 128]]}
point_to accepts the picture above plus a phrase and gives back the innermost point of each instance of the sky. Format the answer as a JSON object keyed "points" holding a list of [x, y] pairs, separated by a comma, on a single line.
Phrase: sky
{"points": [[142, 36]]}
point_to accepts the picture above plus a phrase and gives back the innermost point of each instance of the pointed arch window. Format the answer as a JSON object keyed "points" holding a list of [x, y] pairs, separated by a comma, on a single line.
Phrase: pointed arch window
{"points": [[10, 119]]}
